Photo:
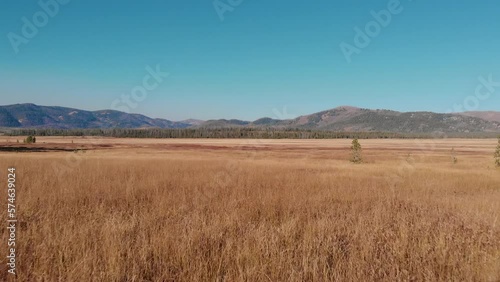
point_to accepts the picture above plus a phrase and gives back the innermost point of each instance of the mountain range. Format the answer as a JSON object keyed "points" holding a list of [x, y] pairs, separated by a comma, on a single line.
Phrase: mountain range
{"points": [[344, 118]]}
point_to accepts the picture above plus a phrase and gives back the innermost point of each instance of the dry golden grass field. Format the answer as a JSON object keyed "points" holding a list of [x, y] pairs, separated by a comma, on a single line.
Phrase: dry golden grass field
{"points": [[252, 210]]}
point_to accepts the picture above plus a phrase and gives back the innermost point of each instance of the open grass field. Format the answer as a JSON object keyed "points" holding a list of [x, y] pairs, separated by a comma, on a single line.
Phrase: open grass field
{"points": [[103, 209]]}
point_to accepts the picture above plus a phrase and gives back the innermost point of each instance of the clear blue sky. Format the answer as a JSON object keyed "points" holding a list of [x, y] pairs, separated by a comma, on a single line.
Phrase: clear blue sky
{"points": [[263, 56]]}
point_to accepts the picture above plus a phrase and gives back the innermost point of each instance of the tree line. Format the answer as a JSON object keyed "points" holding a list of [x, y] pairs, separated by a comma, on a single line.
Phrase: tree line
{"points": [[244, 133]]}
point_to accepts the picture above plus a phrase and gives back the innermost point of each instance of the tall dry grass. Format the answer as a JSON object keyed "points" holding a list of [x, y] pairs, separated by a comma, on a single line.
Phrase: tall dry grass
{"points": [[279, 216]]}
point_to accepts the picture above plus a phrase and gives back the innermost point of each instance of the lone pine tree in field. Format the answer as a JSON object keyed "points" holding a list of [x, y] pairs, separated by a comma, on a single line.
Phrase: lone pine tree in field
{"points": [[497, 154], [356, 151]]}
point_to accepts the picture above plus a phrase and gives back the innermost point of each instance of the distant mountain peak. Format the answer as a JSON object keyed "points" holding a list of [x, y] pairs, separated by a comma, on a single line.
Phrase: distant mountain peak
{"points": [[346, 107], [192, 121]]}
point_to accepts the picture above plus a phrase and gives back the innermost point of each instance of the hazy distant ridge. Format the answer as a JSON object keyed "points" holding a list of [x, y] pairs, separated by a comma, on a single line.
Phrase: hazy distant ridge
{"points": [[34, 116], [343, 118]]}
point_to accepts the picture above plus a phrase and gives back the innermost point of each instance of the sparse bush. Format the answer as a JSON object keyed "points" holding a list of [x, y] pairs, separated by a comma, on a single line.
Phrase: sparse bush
{"points": [[30, 140], [356, 152], [409, 158], [497, 154], [454, 159]]}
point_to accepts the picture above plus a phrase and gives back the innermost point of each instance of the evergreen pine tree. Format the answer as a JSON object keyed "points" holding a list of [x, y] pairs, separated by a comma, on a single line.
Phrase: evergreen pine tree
{"points": [[453, 156], [497, 154], [356, 151]]}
